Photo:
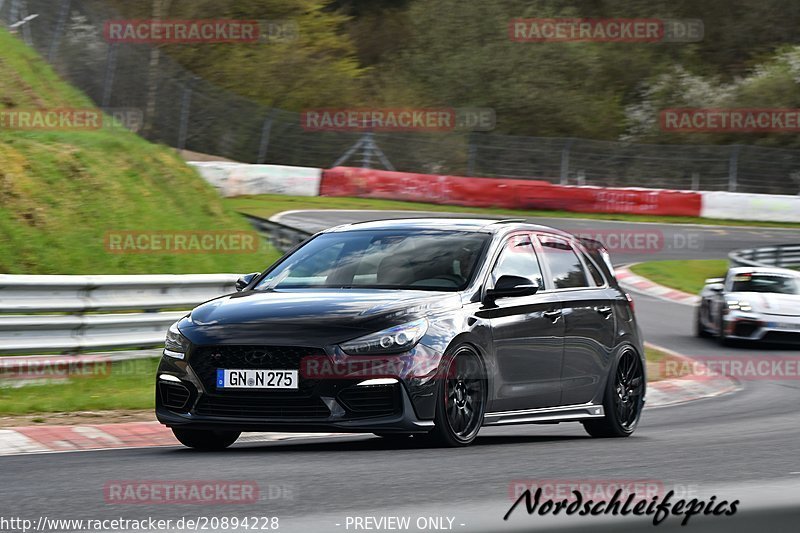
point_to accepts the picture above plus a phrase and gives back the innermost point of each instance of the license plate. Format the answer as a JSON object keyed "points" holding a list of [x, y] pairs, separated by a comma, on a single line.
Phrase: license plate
{"points": [[256, 379], [785, 325]]}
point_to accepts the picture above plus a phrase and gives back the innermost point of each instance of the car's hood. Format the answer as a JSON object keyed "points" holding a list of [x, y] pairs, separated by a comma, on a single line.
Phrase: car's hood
{"points": [[308, 317], [770, 303]]}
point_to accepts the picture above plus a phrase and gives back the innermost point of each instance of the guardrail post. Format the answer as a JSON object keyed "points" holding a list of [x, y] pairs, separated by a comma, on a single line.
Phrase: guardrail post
{"points": [[366, 155], [733, 168], [62, 20], [111, 68], [565, 161], [13, 14], [184, 124], [472, 154], [265, 132]]}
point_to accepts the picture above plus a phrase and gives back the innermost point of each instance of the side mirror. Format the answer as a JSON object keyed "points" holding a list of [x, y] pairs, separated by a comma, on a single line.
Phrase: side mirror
{"points": [[716, 287], [246, 280], [713, 281], [510, 286]]}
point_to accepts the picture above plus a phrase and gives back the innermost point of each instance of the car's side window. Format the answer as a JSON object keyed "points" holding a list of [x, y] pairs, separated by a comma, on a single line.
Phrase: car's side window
{"points": [[597, 277], [565, 266], [518, 258]]}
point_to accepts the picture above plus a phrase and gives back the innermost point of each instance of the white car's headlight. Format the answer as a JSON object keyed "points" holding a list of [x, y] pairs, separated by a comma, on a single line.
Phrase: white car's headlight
{"points": [[739, 305], [175, 345], [392, 340]]}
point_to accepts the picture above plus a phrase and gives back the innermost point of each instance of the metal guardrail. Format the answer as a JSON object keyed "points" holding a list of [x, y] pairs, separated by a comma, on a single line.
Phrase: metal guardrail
{"points": [[74, 314], [782, 256], [21, 331]]}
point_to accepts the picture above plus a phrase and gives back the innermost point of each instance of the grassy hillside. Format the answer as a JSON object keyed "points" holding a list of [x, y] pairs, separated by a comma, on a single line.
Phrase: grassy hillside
{"points": [[61, 192]]}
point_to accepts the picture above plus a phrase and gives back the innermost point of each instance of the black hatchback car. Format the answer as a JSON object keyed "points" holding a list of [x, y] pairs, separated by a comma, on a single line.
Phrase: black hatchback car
{"points": [[424, 327]]}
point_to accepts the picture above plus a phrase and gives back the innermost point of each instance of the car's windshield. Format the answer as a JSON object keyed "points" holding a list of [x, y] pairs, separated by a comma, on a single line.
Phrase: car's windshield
{"points": [[392, 259], [778, 283]]}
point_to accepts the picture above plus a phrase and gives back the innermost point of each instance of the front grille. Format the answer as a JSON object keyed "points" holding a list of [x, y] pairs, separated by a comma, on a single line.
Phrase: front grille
{"points": [[205, 360], [300, 403], [746, 329], [261, 405], [174, 395], [371, 400], [782, 337]]}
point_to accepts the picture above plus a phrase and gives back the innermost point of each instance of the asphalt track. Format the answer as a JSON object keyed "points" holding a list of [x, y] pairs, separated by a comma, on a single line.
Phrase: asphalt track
{"points": [[741, 446]]}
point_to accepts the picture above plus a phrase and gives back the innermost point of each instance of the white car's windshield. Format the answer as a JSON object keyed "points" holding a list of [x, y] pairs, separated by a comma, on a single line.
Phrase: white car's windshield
{"points": [[405, 259], [775, 283]]}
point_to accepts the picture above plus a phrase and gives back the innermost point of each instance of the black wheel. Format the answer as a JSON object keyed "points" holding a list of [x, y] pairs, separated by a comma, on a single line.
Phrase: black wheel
{"points": [[623, 400], [699, 329], [204, 439], [461, 400]]}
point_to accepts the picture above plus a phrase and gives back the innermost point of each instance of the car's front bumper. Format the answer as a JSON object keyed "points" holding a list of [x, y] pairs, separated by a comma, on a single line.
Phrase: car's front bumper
{"points": [[762, 328], [402, 402], [405, 421]]}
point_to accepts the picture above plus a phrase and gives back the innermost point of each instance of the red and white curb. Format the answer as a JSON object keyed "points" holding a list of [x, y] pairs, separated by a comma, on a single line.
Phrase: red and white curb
{"points": [[49, 439], [630, 281], [54, 439], [698, 385]]}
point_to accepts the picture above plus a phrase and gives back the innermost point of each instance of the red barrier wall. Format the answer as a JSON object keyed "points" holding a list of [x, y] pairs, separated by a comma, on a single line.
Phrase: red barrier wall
{"points": [[507, 193]]}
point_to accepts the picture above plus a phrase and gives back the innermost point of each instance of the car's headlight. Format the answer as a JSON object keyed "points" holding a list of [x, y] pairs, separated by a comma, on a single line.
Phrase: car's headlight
{"points": [[392, 340], [176, 345], [739, 305]]}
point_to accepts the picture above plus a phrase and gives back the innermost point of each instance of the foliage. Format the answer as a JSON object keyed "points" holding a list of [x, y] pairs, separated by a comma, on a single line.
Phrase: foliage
{"points": [[457, 53]]}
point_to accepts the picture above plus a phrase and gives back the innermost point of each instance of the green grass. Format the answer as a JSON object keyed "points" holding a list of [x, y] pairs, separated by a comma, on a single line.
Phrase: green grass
{"points": [[270, 204], [126, 385], [655, 358], [62, 191], [686, 276], [654, 355]]}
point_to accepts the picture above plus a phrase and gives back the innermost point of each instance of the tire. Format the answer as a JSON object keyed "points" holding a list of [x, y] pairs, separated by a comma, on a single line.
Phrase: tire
{"points": [[623, 399], [204, 439], [461, 399], [722, 338], [699, 329]]}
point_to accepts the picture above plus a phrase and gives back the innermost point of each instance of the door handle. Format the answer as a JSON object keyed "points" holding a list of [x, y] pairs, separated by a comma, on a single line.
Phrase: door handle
{"points": [[605, 311], [553, 315]]}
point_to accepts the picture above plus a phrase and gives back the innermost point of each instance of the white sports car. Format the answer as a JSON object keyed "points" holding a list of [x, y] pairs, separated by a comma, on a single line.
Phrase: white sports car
{"points": [[751, 303]]}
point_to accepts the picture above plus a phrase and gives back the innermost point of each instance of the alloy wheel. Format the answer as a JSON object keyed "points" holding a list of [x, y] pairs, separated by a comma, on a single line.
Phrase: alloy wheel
{"points": [[465, 393], [628, 389]]}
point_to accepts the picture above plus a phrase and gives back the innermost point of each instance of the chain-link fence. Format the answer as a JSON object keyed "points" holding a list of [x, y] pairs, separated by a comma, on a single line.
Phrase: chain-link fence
{"points": [[190, 113]]}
